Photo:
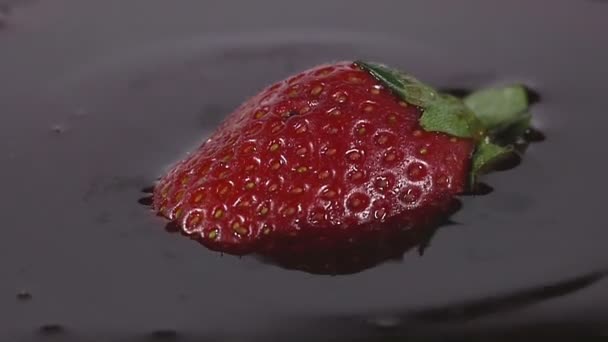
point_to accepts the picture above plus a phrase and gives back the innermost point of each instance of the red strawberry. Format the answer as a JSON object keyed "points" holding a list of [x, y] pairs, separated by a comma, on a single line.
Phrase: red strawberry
{"points": [[334, 164]]}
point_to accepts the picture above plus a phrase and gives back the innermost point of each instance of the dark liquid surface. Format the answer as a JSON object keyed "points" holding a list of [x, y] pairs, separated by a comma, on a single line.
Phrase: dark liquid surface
{"points": [[96, 105]]}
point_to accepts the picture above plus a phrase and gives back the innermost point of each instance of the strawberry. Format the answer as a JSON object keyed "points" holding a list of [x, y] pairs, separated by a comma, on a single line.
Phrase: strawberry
{"points": [[339, 167]]}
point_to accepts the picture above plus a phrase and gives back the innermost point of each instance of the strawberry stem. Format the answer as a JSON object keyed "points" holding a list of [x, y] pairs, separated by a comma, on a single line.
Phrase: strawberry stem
{"points": [[496, 118]]}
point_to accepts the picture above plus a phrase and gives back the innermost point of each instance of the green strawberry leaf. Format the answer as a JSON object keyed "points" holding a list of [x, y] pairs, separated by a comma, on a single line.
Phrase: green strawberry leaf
{"points": [[516, 131], [487, 155], [441, 113], [448, 114], [407, 87], [500, 107]]}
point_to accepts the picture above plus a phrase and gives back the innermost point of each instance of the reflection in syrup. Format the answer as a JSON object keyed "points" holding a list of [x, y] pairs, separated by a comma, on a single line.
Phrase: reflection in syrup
{"points": [[449, 319], [5, 11], [367, 250], [508, 302]]}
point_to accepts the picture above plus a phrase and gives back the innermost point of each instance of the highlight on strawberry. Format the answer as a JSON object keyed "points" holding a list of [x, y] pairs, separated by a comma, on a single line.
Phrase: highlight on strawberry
{"points": [[341, 167]]}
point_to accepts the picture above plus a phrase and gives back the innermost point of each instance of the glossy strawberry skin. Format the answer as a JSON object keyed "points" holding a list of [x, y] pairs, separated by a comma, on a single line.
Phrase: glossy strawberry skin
{"points": [[319, 162]]}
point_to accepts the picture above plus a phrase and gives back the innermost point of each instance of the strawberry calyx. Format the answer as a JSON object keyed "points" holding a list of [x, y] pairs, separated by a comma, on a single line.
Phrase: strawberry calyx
{"points": [[495, 118]]}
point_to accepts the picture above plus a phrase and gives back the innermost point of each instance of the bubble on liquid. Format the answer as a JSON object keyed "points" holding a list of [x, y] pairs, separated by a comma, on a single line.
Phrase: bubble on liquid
{"points": [[59, 128]]}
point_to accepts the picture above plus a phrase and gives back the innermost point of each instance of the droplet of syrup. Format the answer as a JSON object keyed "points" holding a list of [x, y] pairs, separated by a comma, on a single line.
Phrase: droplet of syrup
{"points": [[533, 96], [508, 162], [480, 189], [147, 201], [24, 296], [534, 135], [51, 329], [172, 227], [148, 190], [58, 129]]}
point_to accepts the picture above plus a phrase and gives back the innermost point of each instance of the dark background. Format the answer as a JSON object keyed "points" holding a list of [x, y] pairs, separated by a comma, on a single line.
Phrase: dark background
{"points": [[97, 98]]}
